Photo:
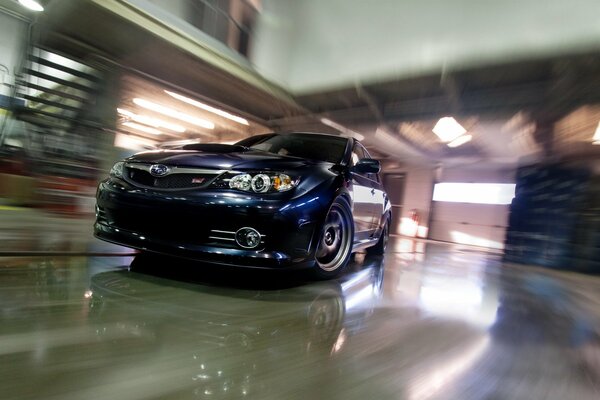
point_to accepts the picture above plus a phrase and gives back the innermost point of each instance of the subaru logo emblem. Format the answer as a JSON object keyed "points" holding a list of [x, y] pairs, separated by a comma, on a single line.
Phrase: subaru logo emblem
{"points": [[159, 170]]}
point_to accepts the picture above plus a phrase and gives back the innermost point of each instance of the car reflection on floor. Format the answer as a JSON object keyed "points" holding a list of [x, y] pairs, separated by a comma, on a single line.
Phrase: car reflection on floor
{"points": [[241, 335]]}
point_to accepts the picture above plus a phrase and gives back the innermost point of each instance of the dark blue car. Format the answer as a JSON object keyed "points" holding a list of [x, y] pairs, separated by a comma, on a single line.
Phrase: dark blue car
{"points": [[294, 200]]}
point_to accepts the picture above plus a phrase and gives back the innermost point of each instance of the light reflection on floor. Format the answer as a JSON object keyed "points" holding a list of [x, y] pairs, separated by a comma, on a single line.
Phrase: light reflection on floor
{"points": [[436, 322]]}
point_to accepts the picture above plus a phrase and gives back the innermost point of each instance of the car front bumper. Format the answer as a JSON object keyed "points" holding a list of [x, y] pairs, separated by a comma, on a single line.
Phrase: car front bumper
{"points": [[201, 224]]}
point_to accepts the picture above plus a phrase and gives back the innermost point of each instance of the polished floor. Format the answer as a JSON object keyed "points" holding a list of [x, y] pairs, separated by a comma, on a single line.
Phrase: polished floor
{"points": [[424, 322]]}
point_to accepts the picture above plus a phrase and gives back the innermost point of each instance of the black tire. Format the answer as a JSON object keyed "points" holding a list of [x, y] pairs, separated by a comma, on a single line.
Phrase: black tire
{"points": [[325, 317], [334, 246], [381, 245]]}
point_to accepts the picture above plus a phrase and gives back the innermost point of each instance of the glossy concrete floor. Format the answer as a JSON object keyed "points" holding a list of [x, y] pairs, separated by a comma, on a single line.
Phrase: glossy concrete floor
{"points": [[440, 323]]}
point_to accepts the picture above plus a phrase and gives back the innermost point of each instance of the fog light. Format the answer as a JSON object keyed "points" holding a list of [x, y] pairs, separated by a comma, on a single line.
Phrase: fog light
{"points": [[247, 238]]}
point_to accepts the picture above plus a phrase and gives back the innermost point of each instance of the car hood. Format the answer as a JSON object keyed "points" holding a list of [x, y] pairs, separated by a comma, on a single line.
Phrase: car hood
{"points": [[248, 159]]}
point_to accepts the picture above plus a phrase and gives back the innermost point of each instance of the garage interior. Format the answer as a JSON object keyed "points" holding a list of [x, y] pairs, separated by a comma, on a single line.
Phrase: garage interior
{"points": [[489, 140]]}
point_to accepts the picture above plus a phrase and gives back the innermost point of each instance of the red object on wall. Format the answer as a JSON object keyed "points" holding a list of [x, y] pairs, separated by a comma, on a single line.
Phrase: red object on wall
{"points": [[414, 217]]}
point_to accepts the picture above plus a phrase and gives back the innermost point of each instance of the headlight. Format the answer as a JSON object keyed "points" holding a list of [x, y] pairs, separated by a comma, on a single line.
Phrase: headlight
{"points": [[259, 182], [241, 182], [117, 170]]}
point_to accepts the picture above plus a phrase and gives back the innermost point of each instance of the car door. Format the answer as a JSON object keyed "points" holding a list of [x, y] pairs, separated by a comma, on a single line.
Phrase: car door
{"points": [[378, 195], [362, 190]]}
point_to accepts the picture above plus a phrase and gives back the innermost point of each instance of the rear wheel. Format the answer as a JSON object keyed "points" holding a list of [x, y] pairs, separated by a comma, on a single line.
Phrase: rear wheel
{"points": [[335, 241]]}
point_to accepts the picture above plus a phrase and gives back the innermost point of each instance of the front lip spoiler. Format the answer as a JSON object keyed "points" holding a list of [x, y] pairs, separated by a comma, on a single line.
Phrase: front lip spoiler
{"points": [[204, 254]]}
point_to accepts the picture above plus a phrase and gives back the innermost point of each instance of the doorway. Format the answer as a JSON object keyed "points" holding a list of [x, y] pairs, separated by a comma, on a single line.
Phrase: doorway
{"points": [[394, 186]]}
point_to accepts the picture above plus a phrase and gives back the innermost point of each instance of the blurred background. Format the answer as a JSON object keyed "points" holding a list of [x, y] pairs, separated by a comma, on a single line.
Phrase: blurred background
{"points": [[484, 114]]}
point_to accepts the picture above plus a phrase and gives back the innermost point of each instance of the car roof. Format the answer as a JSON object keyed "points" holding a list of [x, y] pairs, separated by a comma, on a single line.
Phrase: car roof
{"points": [[311, 133], [341, 136]]}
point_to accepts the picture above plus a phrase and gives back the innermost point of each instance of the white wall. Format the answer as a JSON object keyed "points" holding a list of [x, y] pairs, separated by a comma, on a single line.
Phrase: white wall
{"points": [[177, 14], [475, 224], [277, 29], [12, 40], [314, 44], [179, 8]]}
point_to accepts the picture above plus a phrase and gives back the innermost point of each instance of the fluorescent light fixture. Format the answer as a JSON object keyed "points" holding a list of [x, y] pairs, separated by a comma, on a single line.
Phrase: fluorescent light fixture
{"points": [[447, 129], [460, 140], [157, 123], [341, 128], [142, 128], [334, 125], [134, 143], [208, 108], [596, 138], [173, 114], [33, 5]]}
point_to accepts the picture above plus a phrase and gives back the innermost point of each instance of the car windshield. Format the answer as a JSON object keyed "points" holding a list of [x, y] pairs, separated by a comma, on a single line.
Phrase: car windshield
{"points": [[310, 146]]}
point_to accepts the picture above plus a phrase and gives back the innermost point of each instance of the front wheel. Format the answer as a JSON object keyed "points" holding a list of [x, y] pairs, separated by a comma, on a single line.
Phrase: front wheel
{"points": [[335, 241]]}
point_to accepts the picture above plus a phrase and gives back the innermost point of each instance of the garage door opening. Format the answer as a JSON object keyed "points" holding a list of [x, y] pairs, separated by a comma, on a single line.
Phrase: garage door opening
{"points": [[471, 213], [474, 193]]}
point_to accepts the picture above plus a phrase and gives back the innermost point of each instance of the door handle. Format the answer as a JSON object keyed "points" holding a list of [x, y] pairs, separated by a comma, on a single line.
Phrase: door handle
{"points": [[373, 192]]}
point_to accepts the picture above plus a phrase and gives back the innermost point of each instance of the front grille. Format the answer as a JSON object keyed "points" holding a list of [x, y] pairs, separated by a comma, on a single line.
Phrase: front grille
{"points": [[171, 181]]}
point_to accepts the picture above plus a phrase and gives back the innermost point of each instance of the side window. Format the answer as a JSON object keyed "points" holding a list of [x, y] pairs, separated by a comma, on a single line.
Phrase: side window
{"points": [[357, 153], [360, 152], [375, 177], [364, 151]]}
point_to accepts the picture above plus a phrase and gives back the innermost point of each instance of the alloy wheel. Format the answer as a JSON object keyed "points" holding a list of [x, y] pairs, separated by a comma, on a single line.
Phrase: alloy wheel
{"points": [[335, 242]]}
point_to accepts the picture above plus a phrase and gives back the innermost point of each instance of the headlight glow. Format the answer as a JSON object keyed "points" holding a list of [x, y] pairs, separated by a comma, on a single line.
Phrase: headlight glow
{"points": [[117, 170], [282, 183], [259, 182], [241, 182]]}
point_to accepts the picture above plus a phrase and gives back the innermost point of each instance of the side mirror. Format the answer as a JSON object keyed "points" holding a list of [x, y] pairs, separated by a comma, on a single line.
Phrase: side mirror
{"points": [[367, 166]]}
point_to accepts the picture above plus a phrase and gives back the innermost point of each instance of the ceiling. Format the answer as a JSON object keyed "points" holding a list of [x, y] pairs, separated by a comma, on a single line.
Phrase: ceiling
{"points": [[12, 7], [516, 112], [90, 32]]}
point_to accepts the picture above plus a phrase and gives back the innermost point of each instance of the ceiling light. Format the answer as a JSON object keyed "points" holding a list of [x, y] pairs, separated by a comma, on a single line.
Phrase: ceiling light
{"points": [[596, 138], [174, 114], [33, 5], [334, 125], [157, 123], [142, 128], [447, 129], [341, 128], [460, 140], [135, 143], [208, 108]]}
